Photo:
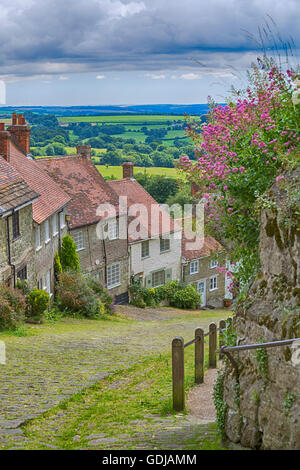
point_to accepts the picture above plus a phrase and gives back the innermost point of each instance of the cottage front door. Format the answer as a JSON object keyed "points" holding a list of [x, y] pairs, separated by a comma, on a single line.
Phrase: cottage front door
{"points": [[202, 290]]}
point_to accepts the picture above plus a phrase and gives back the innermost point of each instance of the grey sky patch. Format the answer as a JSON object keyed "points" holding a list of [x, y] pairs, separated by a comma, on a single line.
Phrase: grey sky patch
{"points": [[159, 39]]}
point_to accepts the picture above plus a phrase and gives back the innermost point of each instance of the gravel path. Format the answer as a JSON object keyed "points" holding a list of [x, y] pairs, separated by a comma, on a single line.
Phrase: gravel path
{"points": [[61, 359]]}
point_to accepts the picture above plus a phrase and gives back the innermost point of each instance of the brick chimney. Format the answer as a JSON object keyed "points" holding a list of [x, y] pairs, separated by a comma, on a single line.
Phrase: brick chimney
{"points": [[127, 170], [4, 142], [20, 132], [83, 151]]}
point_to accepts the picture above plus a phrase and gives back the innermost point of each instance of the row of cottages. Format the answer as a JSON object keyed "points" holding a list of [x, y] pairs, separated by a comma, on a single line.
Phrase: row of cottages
{"points": [[37, 195], [32, 211]]}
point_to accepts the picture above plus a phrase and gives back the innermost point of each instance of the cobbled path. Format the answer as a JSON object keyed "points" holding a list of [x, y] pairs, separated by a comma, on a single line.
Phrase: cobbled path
{"points": [[43, 369]]}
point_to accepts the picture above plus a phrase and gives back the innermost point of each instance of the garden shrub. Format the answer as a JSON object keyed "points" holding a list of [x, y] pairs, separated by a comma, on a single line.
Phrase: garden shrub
{"points": [[77, 294], [12, 308], [68, 256], [187, 297], [141, 296], [57, 265], [37, 302], [168, 290]]}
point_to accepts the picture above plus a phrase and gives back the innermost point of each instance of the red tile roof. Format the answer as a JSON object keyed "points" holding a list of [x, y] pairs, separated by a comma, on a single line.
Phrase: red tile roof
{"points": [[136, 194], [203, 246], [14, 191], [52, 197], [87, 189]]}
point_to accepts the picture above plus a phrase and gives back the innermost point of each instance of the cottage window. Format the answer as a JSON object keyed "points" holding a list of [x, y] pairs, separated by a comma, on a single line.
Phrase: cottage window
{"points": [[15, 225], [78, 239], [22, 273], [213, 263], [158, 278], [113, 230], [62, 220], [54, 225], [48, 282], [38, 238], [214, 283], [113, 275], [145, 249], [194, 267], [164, 244], [47, 231]]}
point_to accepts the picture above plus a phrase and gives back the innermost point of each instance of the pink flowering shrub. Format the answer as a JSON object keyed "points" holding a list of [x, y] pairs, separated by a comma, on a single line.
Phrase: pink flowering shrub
{"points": [[242, 150]]}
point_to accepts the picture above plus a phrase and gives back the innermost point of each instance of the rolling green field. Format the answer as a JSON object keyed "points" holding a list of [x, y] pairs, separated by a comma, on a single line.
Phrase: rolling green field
{"points": [[134, 124], [145, 118], [116, 171]]}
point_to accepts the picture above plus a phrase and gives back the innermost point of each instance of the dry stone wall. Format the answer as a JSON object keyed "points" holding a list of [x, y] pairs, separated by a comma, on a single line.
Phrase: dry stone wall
{"points": [[262, 401]]}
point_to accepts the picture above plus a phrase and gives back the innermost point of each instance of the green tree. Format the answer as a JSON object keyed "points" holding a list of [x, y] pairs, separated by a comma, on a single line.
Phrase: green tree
{"points": [[68, 255]]}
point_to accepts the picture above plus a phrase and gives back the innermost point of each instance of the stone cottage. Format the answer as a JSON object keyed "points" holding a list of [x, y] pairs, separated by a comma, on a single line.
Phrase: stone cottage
{"points": [[155, 242], [102, 253], [200, 268], [16, 231], [46, 222]]}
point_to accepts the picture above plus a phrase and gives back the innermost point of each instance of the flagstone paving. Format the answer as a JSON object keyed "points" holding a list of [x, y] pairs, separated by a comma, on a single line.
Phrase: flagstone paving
{"points": [[57, 360]]}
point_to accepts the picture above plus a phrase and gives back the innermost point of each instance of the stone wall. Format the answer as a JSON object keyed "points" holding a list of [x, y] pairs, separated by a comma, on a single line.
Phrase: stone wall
{"points": [[92, 256], [21, 249], [263, 402]]}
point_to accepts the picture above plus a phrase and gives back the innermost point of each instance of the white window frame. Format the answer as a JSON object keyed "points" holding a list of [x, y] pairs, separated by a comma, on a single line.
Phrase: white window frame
{"points": [[148, 249], [163, 241], [113, 280], [113, 230], [38, 244], [213, 283], [48, 282], [47, 231], [62, 220], [158, 272], [213, 263], [54, 225], [79, 234], [194, 267]]}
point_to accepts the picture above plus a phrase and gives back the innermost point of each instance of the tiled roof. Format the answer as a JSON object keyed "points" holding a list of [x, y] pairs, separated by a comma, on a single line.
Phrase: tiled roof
{"points": [[87, 189], [14, 191], [136, 194], [203, 246], [52, 197]]}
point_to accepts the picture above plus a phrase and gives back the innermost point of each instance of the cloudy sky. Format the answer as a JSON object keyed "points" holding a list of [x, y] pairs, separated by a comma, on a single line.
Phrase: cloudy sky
{"points": [[93, 52]]}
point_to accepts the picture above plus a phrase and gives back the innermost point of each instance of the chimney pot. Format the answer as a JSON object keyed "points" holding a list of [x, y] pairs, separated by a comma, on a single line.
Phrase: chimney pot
{"points": [[127, 170], [83, 151], [20, 133]]}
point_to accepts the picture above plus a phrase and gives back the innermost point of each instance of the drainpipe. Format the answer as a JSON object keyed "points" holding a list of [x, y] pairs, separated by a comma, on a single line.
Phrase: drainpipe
{"points": [[9, 252]]}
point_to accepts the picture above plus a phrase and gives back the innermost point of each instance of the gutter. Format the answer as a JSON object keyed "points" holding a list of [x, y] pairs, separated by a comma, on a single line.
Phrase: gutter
{"points": [[9, 252]]}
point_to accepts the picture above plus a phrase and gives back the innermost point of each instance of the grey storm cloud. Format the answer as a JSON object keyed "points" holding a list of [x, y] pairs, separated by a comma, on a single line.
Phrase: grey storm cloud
{"points": [[71, 36]]}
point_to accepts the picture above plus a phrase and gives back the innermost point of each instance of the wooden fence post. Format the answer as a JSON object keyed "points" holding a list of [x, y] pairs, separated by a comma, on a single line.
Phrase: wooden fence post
{"points": [[199, 355], [212, 345], [222, 325], [178, 373]]}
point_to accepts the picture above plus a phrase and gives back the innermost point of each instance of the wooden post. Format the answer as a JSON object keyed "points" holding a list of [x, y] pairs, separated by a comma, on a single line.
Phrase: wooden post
{"points": [[199, 356], [222, 325], [178, 373], [212, 345]]}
